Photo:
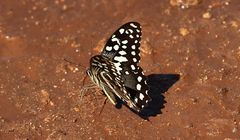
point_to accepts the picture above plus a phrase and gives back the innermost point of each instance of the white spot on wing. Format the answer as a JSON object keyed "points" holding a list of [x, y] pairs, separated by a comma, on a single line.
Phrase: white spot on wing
{"points": [[122, 53], [138, 87], [133, 53], [136, 100], [135, 41], [131, 36], [112, 69], [121, 31], [118, 78], [141, 96], [135, 72], [120, 58], [116, 40], [124, 42], [124, 47], [116, 47], [139, 78], [146, 92], [114, 73], [134, 59], [108, 48], [126, 72], [117, 65], [130, 30], [133, 25], [133, 67], [133, 47]]}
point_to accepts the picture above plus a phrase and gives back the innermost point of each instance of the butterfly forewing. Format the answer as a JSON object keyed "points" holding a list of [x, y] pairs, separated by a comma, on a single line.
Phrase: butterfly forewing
{"points": [[124, 44], [120, 72]]}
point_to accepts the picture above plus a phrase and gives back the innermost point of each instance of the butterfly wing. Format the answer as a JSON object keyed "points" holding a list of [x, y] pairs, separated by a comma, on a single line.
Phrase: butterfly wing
{"points": [[136, 83], [123, 41], [114, 89], [104, 73], [122, 48]]}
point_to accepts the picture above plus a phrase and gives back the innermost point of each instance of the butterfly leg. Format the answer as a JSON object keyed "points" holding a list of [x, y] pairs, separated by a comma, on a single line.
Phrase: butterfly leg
{"points": [[105, 101], [83, 80], [85, 89]]}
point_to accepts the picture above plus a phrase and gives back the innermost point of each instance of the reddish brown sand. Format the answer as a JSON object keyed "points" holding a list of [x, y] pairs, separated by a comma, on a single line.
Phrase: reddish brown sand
{"points": [[40, 93]]}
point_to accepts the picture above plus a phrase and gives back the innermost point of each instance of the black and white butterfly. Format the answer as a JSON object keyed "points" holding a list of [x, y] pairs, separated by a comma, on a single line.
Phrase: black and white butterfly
{"points": [[116, 69]]}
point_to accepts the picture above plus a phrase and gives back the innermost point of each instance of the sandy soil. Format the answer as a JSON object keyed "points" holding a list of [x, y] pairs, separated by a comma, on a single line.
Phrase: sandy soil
{"points": [[190, 52]]}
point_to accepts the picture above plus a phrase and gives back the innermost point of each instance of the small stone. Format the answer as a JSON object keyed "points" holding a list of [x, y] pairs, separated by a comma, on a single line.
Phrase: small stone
{"points": [[44, 97], [146, 49], [76, 109], [183, 31], [51, 103], [227, 3], [47, 119], [189, 125], [194, 100], [64, 7], [75, 120], [61, 68], [184, 3], [234, 24], [234, 130], [168, 124], [207, 15], [223, 91]]}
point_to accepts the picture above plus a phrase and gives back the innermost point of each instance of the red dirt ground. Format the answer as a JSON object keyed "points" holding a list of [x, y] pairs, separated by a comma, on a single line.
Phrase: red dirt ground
{"points": [[191, 54]]}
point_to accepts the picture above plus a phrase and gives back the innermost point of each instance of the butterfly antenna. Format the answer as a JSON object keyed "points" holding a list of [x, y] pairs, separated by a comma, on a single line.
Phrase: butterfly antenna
{"points": [[78, 65]]}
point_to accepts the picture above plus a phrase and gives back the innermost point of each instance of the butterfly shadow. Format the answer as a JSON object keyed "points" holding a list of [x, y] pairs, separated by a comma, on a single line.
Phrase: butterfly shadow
{"points": [[158, 84]]}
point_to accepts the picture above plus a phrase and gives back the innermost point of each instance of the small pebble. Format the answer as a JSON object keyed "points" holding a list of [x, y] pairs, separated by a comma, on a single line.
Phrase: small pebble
{"points": [[207, 15], [183, 31]]}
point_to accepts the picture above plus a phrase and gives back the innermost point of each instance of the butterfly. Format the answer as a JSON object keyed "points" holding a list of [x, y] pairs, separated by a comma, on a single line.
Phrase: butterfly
{"points": [[116, 69]]}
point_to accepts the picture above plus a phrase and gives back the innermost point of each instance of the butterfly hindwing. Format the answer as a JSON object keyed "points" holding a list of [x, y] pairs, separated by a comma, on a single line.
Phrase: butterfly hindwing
{"points": [[136, 83], [123, 49]]}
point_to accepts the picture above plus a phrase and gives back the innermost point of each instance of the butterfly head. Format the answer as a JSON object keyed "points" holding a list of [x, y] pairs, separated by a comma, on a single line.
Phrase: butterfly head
{"points": [[97, 64]]}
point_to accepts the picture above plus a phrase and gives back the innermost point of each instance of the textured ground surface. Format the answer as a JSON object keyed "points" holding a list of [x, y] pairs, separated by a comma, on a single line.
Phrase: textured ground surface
{"points": [[197, 43]]}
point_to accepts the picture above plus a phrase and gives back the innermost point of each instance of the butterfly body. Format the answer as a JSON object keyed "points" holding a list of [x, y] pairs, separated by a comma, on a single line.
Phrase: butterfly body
{"points": [[116, 70]]}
